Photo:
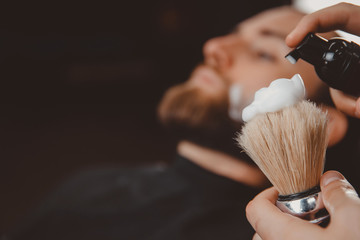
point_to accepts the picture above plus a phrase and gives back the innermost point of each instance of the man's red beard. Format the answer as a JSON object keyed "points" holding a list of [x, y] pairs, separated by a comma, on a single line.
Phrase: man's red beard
{"points": [[190, 107], [190, 114]]}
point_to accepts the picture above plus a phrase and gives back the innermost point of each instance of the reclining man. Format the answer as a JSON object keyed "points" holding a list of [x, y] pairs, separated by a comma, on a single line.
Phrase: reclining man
{"points": [[204, 193]]}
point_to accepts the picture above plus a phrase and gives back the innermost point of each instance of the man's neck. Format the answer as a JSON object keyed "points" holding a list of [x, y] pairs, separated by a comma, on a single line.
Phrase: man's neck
{"points": [[222, 164]]}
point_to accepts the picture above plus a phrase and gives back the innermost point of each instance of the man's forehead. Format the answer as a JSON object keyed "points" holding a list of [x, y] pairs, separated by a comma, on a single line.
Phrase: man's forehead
{"points": [[280, 21], [262, 31], [261, 28]]}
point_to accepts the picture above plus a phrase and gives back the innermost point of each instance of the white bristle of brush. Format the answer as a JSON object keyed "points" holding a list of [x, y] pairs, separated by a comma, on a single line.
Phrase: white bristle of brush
{"points": [[288, 146]]}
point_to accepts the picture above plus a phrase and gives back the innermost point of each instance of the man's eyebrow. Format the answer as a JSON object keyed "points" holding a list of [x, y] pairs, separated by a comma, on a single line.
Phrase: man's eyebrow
{"points": [[273, 33]]}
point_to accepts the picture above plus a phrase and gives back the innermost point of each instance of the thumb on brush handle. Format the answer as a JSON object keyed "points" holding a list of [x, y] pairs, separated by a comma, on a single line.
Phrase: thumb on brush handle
{"points": [[339, 196]]}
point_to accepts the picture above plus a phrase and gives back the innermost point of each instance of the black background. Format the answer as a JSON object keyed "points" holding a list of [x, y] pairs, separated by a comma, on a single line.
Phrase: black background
{"points": [[80, 82]]}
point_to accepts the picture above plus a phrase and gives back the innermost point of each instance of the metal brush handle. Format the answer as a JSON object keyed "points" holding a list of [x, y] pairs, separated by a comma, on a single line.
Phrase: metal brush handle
{"points": [[310, 207]]}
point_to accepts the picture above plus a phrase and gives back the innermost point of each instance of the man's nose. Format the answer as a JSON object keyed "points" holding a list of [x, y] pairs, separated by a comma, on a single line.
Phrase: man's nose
{"points": [[218, 52]]}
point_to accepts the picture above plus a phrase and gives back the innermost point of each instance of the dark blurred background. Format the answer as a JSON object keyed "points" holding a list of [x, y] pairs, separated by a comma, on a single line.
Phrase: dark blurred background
{"points": [[80, 82]]}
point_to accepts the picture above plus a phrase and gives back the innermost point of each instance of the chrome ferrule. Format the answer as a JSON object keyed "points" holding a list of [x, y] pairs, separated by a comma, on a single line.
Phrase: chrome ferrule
{"points": [[309, 207]]}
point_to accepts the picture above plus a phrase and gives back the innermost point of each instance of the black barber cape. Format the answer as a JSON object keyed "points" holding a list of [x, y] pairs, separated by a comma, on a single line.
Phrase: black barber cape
{"points": [[183, 201]]}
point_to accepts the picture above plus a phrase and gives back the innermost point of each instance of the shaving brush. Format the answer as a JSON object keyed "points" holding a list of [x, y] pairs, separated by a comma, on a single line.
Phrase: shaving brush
{"points": [[289, 146]]}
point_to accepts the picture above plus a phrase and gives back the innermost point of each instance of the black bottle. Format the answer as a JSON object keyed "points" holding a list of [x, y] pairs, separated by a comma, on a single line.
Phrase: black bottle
{"points": [[336, 61]]}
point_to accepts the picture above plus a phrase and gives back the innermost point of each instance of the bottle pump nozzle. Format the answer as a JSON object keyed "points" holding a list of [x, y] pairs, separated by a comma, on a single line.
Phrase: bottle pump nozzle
{"points": [[311, 49], [336, 61]]}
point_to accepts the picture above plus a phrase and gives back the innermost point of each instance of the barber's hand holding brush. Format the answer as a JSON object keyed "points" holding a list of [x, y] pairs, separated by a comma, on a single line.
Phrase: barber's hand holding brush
{"points": [[340, 200], [288, 144]]}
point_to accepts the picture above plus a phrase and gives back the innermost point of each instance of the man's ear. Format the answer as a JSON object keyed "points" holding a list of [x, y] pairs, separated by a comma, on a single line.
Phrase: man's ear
{"points": [[337, 125]]}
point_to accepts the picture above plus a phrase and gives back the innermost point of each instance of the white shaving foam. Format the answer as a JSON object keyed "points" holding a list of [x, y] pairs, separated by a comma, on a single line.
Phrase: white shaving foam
{"points": [[235, 101], [281, 93]]}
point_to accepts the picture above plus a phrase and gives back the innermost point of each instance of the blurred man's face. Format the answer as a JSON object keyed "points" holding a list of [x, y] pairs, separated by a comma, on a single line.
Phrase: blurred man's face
{"points": [[251, 56]]}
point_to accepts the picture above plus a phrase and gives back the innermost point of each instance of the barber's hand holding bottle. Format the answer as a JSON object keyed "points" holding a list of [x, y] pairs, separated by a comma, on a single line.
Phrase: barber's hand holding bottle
{"points": [[344, 17]]}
